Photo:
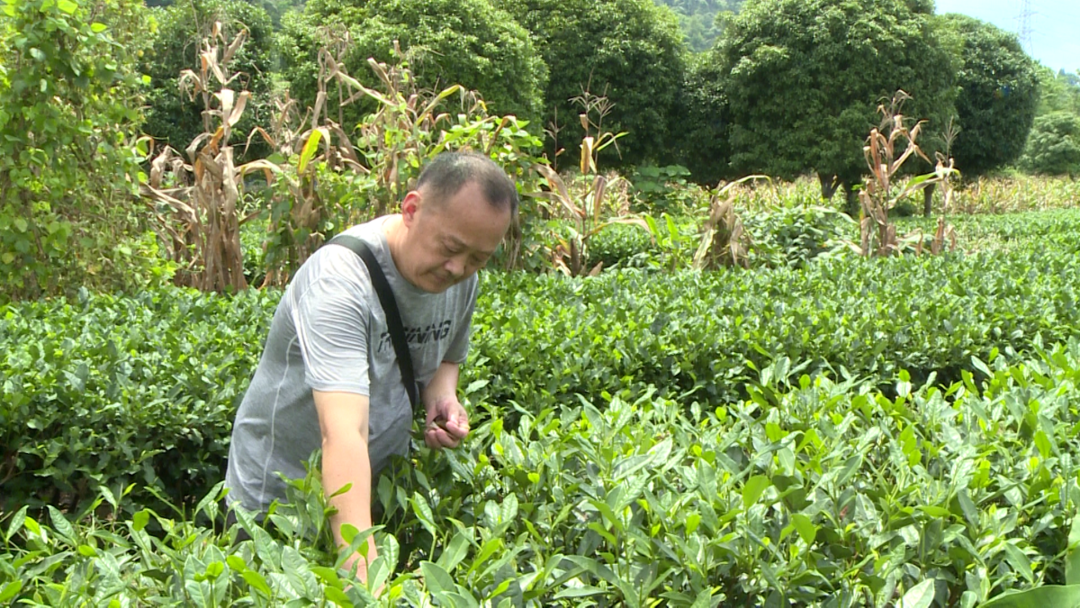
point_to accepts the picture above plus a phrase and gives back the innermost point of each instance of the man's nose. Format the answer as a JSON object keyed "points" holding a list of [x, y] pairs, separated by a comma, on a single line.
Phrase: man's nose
{"points": [[455, 266]]}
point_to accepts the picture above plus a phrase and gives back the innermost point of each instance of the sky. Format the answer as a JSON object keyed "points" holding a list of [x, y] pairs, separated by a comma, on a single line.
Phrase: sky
{"points": [[1055, 26]]}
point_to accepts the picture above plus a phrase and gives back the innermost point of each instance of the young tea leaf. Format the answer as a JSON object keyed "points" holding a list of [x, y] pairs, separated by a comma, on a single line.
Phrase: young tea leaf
{"points": [[805, 527], [16, 523], [437, 581], [754, 488], [1072, 557], [919, 596]]}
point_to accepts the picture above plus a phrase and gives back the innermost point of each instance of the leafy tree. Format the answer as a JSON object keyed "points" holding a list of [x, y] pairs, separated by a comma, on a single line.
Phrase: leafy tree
{"points": [[466, 42], [704, 131], [630, 51], [69, 99], [276, 9], [1054, 145], [803, 79], [1060, 92], [998, 95], [174, 119]]}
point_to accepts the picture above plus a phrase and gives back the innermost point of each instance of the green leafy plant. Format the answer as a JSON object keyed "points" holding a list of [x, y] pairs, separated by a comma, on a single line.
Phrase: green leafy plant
{"points": [[69, 115], [661, 189]]}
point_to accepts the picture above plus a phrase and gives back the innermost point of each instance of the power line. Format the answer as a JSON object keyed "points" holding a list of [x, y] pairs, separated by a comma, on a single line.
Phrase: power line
{"points": [[1024, 19]]}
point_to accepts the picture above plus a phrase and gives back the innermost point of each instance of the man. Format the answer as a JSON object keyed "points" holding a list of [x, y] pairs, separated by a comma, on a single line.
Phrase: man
{"points": [[328, 377]]}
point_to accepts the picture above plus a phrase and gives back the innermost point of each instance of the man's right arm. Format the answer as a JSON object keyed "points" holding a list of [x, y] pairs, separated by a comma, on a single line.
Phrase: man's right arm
{"points": [[343, 419]]}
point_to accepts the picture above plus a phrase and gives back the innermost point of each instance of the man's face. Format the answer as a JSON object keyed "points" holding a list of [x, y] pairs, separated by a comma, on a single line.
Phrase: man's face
{"points": [[449, 241]]}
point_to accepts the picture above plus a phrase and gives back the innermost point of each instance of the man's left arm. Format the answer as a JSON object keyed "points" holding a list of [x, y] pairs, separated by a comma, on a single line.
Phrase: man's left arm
{"points": [[446, 423]]}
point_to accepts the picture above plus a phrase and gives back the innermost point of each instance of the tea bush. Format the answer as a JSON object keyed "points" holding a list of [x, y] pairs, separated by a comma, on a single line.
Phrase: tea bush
{"points": [[824, 494], [104, 390], [111, 390]]}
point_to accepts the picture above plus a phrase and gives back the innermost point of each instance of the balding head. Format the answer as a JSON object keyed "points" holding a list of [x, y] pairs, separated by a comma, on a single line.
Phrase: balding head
{"points": [[448, 172]]}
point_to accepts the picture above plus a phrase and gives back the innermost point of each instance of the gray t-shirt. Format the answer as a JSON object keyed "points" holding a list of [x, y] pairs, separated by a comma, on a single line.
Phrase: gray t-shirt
{"points": [[329, 334]]}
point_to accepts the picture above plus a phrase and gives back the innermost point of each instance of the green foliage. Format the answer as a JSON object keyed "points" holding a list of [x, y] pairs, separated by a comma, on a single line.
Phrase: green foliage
{"points": [[795, 235], [704, 133], [105, 390], [998, 96], [111, 390], [1059, 92], [1053, 148], [661, 189], [630, 51], [69, 99], [174, 119], [621, 246], [821, 493], [869, 317], [469, 42], [802, 80], [698, 19]]}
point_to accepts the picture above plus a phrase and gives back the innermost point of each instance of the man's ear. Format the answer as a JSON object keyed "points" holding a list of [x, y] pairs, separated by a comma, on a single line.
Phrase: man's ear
{"points": [[410, 206]]}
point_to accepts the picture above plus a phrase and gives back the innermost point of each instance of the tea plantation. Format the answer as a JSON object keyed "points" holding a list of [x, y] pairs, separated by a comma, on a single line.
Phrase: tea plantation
{"points": [[842, 431]]}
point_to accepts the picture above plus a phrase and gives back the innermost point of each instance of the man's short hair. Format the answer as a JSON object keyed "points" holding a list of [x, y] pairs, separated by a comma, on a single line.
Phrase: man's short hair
{"points": [[449, 172]]}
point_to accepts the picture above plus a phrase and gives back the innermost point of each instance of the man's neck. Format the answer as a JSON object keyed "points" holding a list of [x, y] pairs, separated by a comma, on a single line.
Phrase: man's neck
{"points": [[394, 229]]}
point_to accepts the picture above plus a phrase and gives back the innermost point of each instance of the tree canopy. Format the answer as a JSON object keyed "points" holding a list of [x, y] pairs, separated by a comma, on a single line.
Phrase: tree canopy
{"points": [[631, 51], [466, 42], [803, 79], [698, 19], [999, 91], [1059, 92], [1054, 145]]}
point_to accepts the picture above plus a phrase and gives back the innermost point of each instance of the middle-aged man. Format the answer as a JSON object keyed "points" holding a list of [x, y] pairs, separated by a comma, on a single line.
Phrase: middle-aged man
{"points": [[328, 376]]}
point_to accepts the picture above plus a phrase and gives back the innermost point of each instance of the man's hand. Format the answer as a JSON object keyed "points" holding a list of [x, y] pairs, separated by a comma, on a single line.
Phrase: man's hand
{"points": [[447, 423]]}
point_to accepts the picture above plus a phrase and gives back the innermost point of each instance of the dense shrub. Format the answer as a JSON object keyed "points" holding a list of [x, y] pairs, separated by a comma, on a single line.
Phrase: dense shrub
{"points": [[70, 97], [630, 51], [110, 390], [795, 235], [967, 491], [1053, 147], [470, 42]]}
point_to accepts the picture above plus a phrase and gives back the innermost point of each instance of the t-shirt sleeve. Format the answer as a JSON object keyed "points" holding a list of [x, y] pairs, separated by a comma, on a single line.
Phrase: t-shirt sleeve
{"points": [[459, 347], [331, 320]]}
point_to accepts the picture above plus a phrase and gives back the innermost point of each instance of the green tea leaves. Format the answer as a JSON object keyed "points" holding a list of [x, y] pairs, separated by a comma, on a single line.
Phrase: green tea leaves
{"points": [[754, 488], [920, 596]]}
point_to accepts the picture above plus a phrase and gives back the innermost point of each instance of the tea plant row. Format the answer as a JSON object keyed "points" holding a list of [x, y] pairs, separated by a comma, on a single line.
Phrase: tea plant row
{"points": [[110, 390], [823, 494]]}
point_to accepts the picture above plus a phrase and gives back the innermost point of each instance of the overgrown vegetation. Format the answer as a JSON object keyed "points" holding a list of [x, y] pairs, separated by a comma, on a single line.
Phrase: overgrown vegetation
{"points": [[69, 118]]}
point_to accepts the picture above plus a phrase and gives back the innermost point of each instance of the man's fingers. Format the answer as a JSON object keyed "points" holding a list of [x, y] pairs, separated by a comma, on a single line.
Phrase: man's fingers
{"points": [[457, 428], [438, 438]]}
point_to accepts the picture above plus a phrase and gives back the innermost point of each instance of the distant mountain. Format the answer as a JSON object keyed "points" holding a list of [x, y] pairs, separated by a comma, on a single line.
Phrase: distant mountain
{"points": [[698, 19]]}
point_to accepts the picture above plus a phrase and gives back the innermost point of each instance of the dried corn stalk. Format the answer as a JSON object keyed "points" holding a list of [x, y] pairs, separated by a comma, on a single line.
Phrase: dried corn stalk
{"points": [[724, 242], [877, 236], [202, 232]]}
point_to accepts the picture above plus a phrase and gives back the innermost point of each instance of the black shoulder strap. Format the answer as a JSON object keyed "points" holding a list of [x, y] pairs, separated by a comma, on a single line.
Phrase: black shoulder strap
{"points": [[390, 309]]}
